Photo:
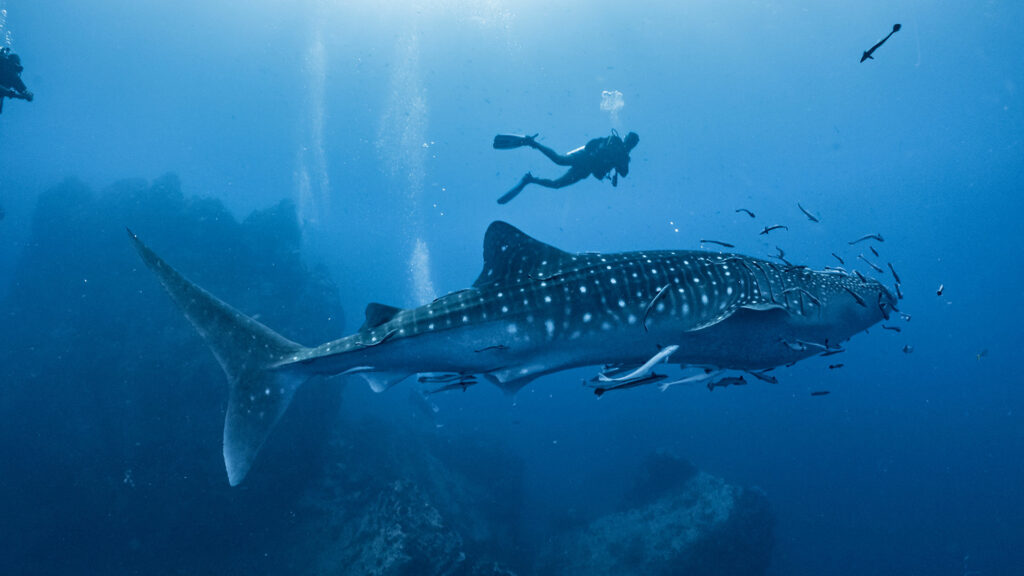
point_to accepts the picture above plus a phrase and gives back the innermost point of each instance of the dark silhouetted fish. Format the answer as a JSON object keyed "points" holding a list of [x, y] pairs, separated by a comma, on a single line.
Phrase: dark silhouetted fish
{"points": [[810, 216], [726, 244], [768, 229], [726, 382], [877, 237], [868, 53]]}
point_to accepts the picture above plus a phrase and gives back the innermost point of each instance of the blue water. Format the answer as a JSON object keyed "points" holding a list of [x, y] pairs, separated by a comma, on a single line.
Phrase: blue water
{"points": [[375, 124]]}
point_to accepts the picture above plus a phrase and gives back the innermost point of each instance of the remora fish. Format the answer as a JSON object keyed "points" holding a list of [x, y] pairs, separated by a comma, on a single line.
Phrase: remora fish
{"points": [[534, 310]]}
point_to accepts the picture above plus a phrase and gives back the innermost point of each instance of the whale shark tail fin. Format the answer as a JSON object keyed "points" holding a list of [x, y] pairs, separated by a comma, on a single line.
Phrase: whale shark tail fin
{"points": [[260, 364]]}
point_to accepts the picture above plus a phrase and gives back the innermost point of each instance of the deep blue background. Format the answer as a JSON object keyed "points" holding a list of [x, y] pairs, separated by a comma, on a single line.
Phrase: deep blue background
{"points": [[377, 122]]}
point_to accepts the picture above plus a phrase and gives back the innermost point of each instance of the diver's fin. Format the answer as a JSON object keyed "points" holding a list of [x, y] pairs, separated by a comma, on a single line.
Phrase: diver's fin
{"points": [[259, 363], [508, 196], [509, 141]]}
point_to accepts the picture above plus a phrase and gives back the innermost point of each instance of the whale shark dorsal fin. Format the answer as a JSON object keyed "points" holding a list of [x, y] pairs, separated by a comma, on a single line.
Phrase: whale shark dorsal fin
{"points": [[511, 254], [377, 314]]}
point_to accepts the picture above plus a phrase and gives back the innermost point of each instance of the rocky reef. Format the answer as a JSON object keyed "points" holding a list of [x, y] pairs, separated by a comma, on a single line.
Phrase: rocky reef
{"points": [[408, 503], [682, 521], [112, 407]]}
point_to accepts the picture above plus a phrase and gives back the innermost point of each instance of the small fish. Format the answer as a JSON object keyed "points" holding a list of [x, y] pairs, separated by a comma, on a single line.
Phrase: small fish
{"points": [[873, 251], [982, 354], [806, 213], [782, 256], [749, 213], [883, 307], [867, 237], [651, 305], [835, 366], [764, 377], [724, 382], [856, 297], [941, 288], [642, 371], [461, 384], [833, 352], [435, 378], [543, 278], [899, 292], [820, 393], [868, 53], [860, 276], [893, 328], [726, 244], [495, 347], [824, 346], [649, 379], [904, 316], [894, 274], [870, 263], [908, 349], [841, 263], [768, 229], [803, 292], [796, 346]]}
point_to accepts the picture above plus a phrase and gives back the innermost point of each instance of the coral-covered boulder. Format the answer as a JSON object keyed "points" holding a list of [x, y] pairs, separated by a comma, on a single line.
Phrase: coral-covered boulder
{"points": [[702, 525]]}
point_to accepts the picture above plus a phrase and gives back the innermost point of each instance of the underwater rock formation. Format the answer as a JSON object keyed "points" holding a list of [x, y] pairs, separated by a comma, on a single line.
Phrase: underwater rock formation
{"points": [[698, 526], [408, 502], [110, 401]]}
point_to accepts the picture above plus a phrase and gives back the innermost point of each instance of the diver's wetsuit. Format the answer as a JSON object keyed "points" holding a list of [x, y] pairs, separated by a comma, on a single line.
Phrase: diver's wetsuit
{"points": [[11, 84], [599, 157]]}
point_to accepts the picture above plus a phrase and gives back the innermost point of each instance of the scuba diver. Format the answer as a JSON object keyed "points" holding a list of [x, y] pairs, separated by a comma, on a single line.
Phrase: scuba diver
{"points": [[11, 85], [598, 157]]}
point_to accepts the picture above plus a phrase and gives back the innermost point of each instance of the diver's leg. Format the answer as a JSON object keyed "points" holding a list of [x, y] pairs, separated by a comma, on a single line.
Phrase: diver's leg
{"points": [[527, 179], [571, 177], [555, 157]]}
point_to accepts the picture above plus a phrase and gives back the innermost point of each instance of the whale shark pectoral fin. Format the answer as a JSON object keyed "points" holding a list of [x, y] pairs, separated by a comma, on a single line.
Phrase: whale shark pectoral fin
{"points": [[511, 380], [381, 381]]}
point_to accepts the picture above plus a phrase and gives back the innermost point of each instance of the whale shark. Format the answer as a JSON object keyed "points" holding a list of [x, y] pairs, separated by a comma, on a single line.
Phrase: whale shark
{"points": [[536, 310]]}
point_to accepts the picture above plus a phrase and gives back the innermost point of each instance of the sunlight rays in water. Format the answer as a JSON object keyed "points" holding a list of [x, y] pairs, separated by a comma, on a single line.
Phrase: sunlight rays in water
{"points": [[314, 191], [402, 152], [419, 270]]}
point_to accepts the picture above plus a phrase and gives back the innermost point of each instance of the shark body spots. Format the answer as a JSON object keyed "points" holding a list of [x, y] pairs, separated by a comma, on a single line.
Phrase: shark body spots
{"points": [[536, 310]]}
